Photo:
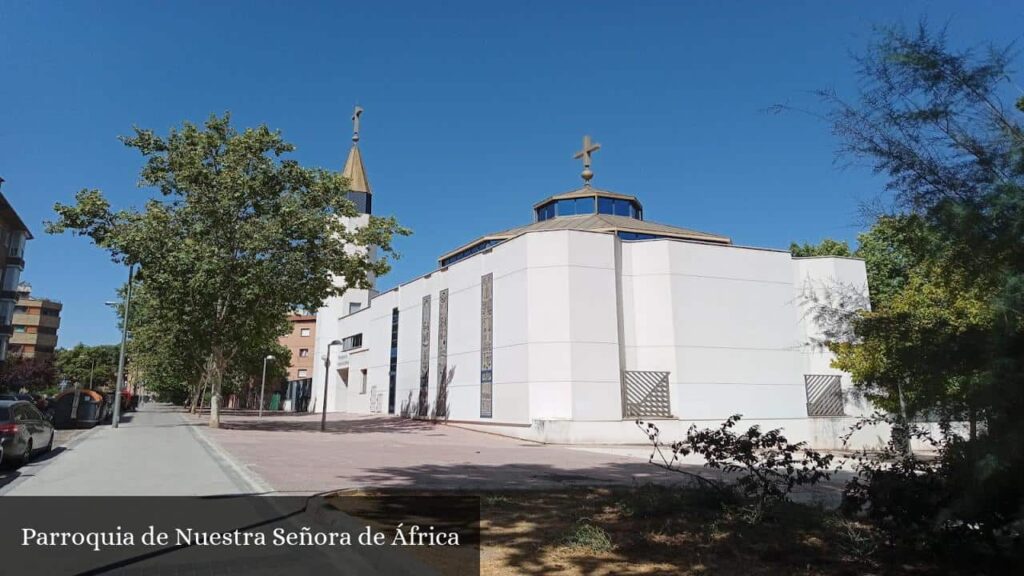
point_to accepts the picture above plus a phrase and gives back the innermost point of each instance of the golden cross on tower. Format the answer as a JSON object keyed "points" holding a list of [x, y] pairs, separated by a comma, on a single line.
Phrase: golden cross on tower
{"points": [[355, 123], [584, 154]]}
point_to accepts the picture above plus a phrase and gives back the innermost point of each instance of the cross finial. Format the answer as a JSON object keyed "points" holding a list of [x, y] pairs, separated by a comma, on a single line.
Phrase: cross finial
{"points": [[355, 123], [584, 154]]}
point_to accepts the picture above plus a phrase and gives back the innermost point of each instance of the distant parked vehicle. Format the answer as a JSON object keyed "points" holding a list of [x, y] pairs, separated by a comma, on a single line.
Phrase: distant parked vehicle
{"points": [[23, 431]]}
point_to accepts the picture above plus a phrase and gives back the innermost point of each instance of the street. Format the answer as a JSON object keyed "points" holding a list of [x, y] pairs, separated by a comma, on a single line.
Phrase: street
{"points": [[153, 452]]}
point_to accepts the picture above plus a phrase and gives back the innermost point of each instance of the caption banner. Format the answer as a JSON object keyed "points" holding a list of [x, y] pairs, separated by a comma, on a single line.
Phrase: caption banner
{"points": [[379, 534]]}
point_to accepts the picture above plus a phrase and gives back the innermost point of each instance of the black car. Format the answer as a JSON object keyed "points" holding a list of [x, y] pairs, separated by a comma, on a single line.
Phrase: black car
{"points": [[23, 431]]}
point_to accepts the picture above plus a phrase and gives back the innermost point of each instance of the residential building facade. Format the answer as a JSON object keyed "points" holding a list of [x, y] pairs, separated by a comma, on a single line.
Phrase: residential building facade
{"points": [[35, 325], [301, 342], [13, 236]]}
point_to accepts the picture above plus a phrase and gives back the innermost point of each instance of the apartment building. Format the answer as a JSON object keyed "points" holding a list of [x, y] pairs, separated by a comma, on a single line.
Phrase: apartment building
{"points": [[300, 341], [13, 236], [35, 324]]}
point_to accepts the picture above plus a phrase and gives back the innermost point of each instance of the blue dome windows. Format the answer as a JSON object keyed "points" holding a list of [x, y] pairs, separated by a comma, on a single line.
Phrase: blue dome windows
{"points": [[597, 204], [619, 207], [574, 206], [474, 249]]}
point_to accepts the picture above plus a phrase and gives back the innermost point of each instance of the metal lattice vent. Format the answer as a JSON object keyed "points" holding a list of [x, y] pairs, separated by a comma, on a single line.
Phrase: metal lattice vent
{"points": [[824, 395], [646, 394]]}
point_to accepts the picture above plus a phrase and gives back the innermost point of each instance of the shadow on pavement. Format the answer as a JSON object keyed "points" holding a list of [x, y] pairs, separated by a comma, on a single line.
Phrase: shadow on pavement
{"points": [[9, 472], [357, 426], [525, 477]]}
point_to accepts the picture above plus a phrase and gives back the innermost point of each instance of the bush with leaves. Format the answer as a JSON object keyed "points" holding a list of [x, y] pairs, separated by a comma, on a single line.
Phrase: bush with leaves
{"points": [[916, 500], [896, 491], [765, 464]]}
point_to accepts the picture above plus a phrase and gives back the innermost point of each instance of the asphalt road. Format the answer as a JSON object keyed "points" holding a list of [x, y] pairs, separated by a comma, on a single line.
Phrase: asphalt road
{"points": [[154, 452]]}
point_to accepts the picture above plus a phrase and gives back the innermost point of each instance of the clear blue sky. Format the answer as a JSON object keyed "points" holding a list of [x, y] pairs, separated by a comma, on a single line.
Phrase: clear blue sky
{"points": [[473, 109]]}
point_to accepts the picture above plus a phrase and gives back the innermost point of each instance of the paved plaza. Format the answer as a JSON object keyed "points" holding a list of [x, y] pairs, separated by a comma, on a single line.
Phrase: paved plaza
{"points": [[289, 453], [163, 450]]}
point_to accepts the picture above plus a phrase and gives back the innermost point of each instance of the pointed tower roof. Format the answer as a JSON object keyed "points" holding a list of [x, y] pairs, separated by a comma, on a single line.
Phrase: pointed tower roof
{"points": [[354, 169], [356, 172]]}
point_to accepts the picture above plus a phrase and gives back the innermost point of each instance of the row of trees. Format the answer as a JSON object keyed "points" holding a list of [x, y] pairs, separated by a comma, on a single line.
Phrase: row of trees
{"points": [[235, 235], [94, 366], [944, 338]]}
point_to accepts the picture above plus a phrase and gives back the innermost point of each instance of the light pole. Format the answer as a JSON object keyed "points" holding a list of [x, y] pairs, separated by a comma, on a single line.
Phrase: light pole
{"points": [[124, 338], [327, 374], [263, 384]]}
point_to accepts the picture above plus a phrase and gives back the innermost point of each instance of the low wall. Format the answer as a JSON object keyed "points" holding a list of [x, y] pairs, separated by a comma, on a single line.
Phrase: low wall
{"points": [[819, 433]]}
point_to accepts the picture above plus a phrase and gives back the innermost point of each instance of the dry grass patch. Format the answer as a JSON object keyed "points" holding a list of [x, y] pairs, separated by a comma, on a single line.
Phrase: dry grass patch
{"points": [[661, 530]]}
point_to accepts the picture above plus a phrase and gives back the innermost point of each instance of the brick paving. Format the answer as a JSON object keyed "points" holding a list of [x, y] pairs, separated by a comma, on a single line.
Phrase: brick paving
{"points": [[291, 455]]}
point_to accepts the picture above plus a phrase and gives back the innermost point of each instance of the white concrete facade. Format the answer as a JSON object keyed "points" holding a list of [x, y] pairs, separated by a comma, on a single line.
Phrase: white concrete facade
{"points": [[573, 310], [329, 329]]}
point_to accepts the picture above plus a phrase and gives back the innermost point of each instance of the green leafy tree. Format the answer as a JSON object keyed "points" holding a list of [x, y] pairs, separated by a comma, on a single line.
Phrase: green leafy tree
{"points": [[236, 236], [85, 365], [947, 265], [891, 249], [827, 247]]}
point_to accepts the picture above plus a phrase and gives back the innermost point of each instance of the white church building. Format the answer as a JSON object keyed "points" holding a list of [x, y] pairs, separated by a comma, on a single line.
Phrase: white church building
{"points": [[569, 328]]}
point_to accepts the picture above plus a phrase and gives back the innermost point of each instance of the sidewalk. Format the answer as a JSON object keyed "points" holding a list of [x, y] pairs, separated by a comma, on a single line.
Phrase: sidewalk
{"points": [[155, 451]]}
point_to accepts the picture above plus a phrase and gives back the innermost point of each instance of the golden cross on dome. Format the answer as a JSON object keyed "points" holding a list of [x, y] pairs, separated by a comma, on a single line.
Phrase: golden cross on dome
{"points": [[355, 123], [584, 154]]}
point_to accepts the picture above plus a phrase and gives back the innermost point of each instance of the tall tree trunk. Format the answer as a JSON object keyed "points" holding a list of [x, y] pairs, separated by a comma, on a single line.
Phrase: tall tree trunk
{"points": [[215, 373], [197, 392]]}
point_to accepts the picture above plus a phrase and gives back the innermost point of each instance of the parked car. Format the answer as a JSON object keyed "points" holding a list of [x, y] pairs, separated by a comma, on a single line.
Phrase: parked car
{"points": [[24, 431]]}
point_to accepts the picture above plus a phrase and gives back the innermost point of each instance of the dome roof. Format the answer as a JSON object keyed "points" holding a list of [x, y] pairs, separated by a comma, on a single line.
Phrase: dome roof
{"points": [[586, 192], [605, 223]]}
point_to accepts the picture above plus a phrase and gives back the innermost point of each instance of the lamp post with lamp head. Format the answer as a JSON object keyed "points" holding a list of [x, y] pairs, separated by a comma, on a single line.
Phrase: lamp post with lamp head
{"points": [[263, 383], [116, 416], [327, 374]]}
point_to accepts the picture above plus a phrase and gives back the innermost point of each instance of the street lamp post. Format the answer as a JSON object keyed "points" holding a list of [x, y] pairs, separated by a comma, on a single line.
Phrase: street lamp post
{"points": [[263, 384], [327, 374], [124, 338]]}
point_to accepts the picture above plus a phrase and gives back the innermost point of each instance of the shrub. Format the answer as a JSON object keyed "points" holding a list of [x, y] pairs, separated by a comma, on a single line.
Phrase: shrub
{"points": [[587, 536], [934, 500], [766, 466]]}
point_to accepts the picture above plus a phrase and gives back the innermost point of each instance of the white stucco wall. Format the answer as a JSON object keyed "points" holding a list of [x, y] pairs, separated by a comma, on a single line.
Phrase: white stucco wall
{"points": [[727, 322], [328, 329], [828, 279], [722, 320]]}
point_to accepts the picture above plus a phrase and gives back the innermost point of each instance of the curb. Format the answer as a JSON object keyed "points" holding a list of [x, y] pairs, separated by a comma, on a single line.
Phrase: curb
{"points": [[250, 480]]}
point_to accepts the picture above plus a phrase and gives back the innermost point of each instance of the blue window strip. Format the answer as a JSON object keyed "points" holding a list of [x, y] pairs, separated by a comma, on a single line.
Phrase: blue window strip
{"points": [[546, 212], [566, 207], [585, 205], [462, 255], [638, 236]]}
